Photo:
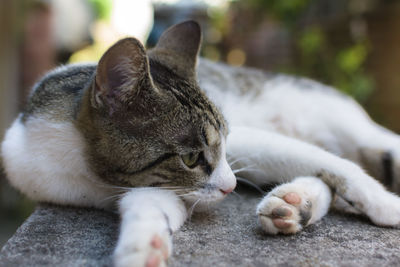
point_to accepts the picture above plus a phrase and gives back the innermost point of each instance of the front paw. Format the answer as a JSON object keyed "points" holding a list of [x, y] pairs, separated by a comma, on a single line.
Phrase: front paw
{"points": [[284, 210], [143, 249]]}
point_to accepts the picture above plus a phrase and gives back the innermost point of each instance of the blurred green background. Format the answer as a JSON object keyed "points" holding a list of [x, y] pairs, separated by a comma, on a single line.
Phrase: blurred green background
{"points": [[353, 45]]}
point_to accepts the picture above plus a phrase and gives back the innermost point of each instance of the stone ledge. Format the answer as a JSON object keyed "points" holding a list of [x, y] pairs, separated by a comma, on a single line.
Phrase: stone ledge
{"points": [[228, 236]]}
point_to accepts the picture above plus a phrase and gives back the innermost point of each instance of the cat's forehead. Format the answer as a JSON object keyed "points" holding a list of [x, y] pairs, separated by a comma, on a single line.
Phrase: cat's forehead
{"points": [[193, 103]]}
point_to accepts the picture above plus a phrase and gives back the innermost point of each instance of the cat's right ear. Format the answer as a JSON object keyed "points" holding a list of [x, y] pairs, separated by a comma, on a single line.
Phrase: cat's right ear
{"points": [[121, 75], [178, 48]]}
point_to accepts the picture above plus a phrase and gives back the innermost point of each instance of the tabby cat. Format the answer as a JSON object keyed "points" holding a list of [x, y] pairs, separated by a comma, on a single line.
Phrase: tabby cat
{"points": [[141, 126]]}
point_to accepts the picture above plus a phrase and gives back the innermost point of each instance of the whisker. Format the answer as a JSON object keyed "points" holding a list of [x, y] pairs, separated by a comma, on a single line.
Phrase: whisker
{"points": [[111, 197], [237, 194], [98, 183], [172, 187], [187, 194], [105, 185], [248, 170], [250, 157], [190, 211], [245, 167], [180, 190], [121, 187], [247, 182], [237, 160]]}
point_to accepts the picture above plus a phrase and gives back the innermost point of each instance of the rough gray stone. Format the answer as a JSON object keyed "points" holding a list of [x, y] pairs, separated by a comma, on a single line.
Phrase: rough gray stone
{"points": [[62, 236], [227, 236]]}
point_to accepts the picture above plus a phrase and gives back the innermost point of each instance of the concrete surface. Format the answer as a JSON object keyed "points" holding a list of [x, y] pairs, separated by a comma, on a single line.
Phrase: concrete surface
{"points": [[228, 236]]}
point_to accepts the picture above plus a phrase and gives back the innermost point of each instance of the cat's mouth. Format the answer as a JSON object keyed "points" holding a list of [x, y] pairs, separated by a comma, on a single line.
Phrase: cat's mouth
{"points": [[205, 197]]}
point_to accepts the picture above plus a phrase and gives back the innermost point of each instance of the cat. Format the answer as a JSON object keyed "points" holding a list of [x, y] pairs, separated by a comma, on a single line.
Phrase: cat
{"points": [[150, 134]]}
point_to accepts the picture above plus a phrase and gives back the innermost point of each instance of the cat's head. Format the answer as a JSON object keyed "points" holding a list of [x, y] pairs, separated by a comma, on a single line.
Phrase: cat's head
{"points": [[148, 123]]}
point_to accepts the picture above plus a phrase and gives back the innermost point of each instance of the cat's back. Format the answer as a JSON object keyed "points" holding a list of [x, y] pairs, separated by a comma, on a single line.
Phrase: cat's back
{"points": [[219, 77], [216, 77], [293, 106], [57, 95]]}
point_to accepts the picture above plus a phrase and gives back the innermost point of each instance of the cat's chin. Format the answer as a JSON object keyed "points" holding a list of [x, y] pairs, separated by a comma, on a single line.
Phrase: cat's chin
{"points": [[198, 202]]}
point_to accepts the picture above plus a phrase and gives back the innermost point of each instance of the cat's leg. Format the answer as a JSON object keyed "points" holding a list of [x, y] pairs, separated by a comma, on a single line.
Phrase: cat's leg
{"points": [[379, 153], [149, 217], [341, 126], [373, 147], [273, 158], [352, 134]]}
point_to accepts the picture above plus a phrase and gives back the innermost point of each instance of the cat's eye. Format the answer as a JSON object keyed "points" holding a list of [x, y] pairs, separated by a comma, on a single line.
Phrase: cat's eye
{"points": [[191, 159]]}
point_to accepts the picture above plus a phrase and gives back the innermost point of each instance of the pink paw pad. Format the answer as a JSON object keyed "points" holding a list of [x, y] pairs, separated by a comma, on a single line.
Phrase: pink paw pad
{"points": [[153, 261], [156, 242], [281, 212], [281, 223], [292, 198]]}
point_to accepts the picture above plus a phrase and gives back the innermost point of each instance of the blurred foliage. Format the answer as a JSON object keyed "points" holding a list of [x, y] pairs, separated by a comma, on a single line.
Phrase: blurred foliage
{"points": [[311, 41], [342, 67], [314, 53], [102, 8], [284, 11]]}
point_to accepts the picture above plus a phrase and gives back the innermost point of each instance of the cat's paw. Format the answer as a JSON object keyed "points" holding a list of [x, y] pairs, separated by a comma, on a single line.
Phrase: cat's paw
{"points": [[289, 207], [286, 212], [143, 249]]}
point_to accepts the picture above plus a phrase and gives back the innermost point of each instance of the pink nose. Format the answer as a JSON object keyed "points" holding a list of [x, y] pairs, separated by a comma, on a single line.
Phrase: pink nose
{"points": [[227, 191]]}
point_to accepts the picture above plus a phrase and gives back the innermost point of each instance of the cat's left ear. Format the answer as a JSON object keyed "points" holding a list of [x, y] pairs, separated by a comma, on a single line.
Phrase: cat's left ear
{"points": [[122, 74], [178, 48]]}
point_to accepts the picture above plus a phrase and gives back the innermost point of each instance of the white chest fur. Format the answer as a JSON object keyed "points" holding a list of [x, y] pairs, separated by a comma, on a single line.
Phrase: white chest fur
{"points": [[45, 161]]}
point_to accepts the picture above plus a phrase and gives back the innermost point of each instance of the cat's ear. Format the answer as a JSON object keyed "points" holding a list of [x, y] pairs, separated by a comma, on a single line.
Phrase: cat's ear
{"points": [[122, 72], [178, 48]]}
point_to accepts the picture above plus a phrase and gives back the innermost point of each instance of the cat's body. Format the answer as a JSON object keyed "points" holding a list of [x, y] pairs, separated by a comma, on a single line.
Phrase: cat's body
{"points": [[302, 109], [292, 106], [80, 140]]}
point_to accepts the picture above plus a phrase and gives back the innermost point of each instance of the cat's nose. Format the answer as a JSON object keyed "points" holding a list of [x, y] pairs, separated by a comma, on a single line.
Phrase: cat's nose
{"points": [[227, 191], [229, 185]]}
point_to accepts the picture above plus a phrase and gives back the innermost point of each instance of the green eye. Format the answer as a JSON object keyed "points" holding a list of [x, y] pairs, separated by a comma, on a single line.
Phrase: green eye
{"points": [[191, 159]]}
